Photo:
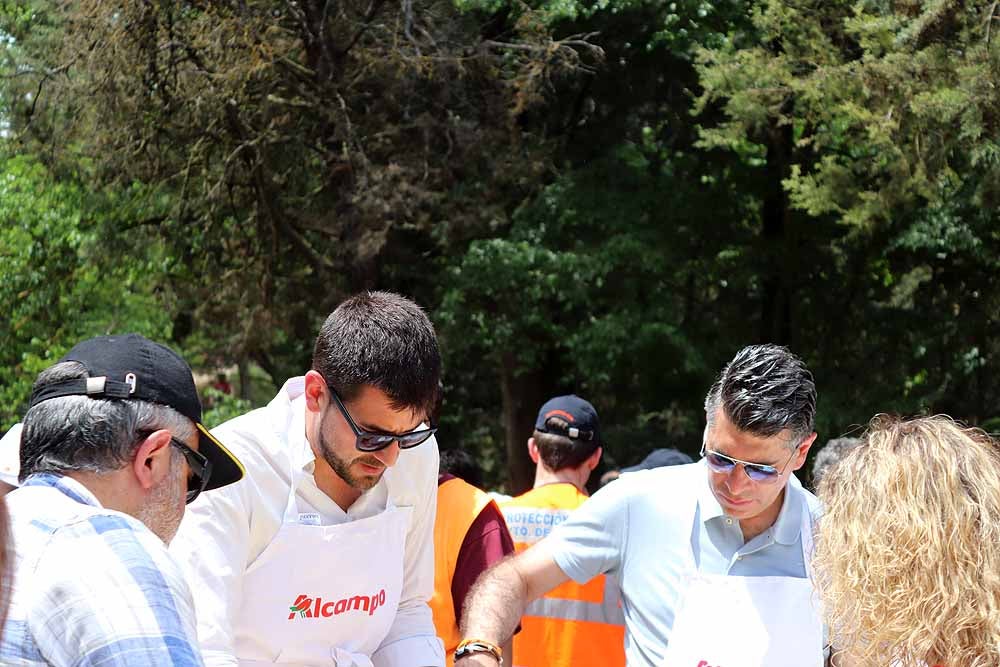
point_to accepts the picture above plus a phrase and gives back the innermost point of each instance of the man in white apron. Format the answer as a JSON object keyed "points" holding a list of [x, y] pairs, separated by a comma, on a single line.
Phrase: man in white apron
{"points": [[323, 554], [712, 557]]}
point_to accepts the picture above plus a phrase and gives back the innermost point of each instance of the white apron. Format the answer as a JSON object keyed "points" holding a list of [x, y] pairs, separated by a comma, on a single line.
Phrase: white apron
{"points": [[322, 595], [732, 621]]}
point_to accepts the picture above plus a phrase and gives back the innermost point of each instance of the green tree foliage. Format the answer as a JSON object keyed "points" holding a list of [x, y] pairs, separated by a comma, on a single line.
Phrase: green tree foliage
{"points": [[61, 280], [605, 196], [299, 146], [882, 119]]}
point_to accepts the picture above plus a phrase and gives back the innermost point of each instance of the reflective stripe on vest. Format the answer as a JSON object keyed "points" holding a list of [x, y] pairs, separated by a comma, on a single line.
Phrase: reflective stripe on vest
{"points": [[606, 611], [573, 625]]}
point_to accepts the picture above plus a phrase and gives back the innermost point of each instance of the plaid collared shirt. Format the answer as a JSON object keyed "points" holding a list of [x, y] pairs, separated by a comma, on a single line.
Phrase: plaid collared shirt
{"points": [[91, 586]]}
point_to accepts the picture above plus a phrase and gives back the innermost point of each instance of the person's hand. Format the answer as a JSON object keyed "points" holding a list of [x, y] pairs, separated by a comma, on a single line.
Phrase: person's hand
{"points": [[477, 660]]}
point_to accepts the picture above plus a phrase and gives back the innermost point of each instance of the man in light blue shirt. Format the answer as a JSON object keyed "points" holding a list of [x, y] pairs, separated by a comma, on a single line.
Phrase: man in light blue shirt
{"points": [[712, 557], [111, 450]]}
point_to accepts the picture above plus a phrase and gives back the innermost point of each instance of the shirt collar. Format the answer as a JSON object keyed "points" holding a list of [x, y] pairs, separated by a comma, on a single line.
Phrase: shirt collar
{"points": [[786, 526], [789, 522], [302, 454], [707, 503], [65, 485]]}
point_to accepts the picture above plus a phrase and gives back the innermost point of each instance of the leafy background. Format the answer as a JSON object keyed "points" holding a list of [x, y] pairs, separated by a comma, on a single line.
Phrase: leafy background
{"points": [[603, 197]]}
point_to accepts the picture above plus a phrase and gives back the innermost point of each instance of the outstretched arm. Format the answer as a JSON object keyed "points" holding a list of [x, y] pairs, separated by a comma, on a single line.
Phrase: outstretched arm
{"points": [[498, 599]]}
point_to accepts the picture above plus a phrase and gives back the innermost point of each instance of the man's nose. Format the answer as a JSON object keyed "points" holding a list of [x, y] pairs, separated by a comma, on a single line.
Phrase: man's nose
{"points": [[389, 455], [738, 480]]}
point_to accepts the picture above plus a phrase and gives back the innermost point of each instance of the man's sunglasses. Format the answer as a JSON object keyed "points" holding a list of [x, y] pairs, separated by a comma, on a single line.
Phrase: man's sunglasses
{"points": [[757, 472], [366, 441], [200, 467]]}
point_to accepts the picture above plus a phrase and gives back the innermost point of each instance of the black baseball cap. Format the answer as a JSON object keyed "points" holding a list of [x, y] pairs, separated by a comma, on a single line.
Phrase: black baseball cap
{"points": [[579, 415], [132, 367], [659, 458]]}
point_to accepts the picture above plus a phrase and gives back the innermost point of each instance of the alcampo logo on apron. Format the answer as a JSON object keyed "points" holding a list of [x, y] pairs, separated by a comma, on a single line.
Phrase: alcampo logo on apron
{"points": [[307, 607]]}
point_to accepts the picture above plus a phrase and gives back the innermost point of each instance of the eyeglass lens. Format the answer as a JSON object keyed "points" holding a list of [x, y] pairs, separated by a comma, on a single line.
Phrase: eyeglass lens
{"points": [[371, 442], [756, 472]]}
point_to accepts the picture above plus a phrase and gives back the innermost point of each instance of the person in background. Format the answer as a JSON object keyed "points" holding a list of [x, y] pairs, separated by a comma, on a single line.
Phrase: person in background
{"points": [[908, 552], [829, 455], [577, 624], [609, 476], [659, 458], [460, 464], [10, 445], [325, 551], [222, 384], [469, 536], [111, 450], [712, 558], [6, 565]]}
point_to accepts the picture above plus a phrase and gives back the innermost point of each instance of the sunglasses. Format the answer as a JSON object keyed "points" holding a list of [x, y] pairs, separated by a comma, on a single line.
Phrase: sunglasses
{"points": [[757, 472], [366, 441], [200, 467]]}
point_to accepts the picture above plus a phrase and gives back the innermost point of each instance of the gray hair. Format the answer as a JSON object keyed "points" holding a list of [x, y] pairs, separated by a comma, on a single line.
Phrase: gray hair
{"points": [[79, 433], [830, 455], [765, 390]]}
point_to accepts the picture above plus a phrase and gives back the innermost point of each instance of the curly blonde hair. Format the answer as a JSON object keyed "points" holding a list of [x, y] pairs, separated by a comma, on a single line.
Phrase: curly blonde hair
{"points": [[908, 552]]}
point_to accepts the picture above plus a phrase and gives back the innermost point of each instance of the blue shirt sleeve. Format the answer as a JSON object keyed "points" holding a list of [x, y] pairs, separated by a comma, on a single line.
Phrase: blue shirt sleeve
{"points": [[106, 592], [592, 540]]}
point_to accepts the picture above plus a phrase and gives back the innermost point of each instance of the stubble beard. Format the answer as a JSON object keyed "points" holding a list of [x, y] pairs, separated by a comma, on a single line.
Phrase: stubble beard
{"points": [[164, 508], [342, 466]]}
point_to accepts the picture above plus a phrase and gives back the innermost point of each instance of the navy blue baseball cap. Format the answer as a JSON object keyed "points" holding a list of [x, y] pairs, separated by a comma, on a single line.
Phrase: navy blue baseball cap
{"points": [[575, 418], [132, 367], [659, 458]]}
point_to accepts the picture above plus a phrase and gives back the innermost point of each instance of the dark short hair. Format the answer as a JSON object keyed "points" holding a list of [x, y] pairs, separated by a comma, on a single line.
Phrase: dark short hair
{"points": [[80, 433], [559, 452], [382, 340], [765, 390], [460, 463]]}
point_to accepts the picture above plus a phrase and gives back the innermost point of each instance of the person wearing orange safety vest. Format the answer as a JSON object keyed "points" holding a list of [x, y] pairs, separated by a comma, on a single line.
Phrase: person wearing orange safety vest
{"points": [[469, 536], [574, 625]]}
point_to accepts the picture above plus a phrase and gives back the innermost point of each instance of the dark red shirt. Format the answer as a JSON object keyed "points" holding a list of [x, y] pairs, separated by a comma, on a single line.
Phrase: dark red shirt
{"points": [[486, 542]]}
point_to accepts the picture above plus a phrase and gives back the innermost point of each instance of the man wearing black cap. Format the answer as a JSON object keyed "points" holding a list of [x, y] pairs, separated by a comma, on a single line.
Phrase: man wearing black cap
{"points": [[111, 450], [576, 625]]}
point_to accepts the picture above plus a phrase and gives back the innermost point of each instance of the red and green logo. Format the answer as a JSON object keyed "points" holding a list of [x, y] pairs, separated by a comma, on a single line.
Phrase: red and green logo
{"points": [[302, 606], [307, 607]]}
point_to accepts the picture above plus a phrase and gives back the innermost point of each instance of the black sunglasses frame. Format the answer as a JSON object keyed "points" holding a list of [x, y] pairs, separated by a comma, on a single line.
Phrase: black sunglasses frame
{"points": [[200, 467], [380, 440]]}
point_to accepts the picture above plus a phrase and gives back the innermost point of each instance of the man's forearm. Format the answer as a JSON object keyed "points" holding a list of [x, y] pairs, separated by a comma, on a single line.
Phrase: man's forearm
{"points": [[494, 607]]}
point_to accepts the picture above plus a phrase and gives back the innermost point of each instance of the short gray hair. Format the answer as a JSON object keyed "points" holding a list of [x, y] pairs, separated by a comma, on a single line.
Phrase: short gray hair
{"points": [[830, 455], [79, 433]]}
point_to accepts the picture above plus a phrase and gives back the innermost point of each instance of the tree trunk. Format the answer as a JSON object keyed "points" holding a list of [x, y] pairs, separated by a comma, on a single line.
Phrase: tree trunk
{"points": [[777, 252], [244, 370], [523, 394]]}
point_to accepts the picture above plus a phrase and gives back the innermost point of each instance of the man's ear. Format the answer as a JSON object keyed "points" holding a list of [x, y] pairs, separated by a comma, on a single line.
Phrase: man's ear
{"points": [[152, 459], [317, 393], [803, 451], [533, 450], [594, 458]]}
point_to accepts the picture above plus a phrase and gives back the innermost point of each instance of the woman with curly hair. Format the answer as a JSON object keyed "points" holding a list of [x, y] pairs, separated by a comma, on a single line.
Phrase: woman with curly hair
{"points": [[908, 554]]}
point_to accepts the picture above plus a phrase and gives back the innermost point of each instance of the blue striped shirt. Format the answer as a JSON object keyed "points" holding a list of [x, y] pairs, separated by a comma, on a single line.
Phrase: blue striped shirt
{"points": [[92, 586]]}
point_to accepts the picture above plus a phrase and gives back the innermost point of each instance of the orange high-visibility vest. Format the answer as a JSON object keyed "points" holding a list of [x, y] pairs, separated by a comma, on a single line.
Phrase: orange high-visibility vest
{"points": [[458, 505], [573, 625]]}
